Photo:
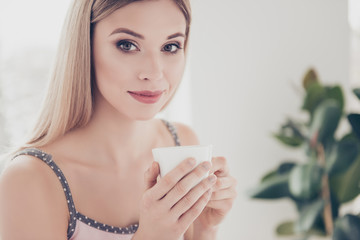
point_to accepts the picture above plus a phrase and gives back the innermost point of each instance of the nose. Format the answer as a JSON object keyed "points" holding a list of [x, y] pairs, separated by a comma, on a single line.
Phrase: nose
{"points": [[151, 68]]}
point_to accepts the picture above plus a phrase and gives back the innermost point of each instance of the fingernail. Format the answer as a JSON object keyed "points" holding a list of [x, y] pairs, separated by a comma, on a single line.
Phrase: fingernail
{"points": [[206, 165], [212, 178]]}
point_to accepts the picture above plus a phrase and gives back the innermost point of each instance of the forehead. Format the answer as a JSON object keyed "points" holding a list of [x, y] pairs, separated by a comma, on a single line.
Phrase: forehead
{"points": [[145, 16]]}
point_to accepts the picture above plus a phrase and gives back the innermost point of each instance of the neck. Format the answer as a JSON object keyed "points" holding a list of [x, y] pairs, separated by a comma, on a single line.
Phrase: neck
{"points": [[116, 137]]}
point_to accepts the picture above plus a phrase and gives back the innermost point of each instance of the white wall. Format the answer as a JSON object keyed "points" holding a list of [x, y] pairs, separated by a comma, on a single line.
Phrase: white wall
{"points": [[248, 57], [29, 35]]}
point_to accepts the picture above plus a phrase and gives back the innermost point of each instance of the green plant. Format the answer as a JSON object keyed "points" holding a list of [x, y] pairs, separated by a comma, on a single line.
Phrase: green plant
{"points": [[329, 174]]}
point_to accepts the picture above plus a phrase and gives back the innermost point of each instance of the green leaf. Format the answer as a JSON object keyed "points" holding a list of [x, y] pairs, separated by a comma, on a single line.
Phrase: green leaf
{"points": [[354, 120], [347, 228], [290, 134], [309, 215], [289, 141], [326, 119], [315, 93], [335, 93], [343, 155], [305, 181], [335, 205], [310, 78], [269, 175], [356, 91], [283, 168], [285, 229], [317, 231], [271, 188], [345, 185]]}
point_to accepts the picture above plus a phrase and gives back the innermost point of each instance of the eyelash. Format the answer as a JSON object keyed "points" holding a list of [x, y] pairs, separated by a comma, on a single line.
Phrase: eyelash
{"points": [[121, 43], [176, 44]]}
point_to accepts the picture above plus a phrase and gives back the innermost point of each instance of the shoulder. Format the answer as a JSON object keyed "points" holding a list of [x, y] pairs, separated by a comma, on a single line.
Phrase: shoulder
{"points": [[28, 191], [28, 170], [186, 134]]}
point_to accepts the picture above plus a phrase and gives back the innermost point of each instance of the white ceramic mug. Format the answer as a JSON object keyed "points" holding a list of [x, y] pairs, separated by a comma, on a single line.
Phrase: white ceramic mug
{"points": [[169, 157]]}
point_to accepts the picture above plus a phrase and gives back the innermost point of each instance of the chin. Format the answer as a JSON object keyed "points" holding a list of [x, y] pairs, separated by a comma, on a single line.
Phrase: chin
{"points": [[142, 112], [147, 113]]}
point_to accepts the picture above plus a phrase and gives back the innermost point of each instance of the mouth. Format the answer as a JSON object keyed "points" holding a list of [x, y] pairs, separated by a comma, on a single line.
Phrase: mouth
{"points": [[148, 97]]}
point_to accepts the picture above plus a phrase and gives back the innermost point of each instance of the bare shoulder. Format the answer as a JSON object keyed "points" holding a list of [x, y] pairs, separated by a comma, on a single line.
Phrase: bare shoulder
{"points": [[31, 201], [186, 134]]}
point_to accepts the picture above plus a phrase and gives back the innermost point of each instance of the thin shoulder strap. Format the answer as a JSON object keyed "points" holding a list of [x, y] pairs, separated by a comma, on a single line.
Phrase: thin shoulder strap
{"points": [[173, 131], [47, 158]]}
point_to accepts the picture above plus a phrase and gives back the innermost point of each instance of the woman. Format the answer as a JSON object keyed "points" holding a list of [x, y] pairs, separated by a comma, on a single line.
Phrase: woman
{"points": [[119, 64]]}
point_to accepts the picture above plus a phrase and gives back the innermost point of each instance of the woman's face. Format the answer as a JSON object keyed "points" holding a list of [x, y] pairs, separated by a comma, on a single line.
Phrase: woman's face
{"points": [[139, 58]]}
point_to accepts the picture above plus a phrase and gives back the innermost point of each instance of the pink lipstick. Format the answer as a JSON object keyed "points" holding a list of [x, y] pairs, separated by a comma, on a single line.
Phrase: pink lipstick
{"points": [[148, 97]]}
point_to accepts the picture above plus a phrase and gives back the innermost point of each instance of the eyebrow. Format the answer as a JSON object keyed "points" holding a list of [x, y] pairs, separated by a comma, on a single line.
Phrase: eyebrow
{"points": [[127, 31], [138, 35], [175, 35]]}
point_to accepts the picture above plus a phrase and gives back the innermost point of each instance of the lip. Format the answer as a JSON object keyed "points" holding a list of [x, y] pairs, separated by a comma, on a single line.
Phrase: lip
{"points": [[148, 97]]}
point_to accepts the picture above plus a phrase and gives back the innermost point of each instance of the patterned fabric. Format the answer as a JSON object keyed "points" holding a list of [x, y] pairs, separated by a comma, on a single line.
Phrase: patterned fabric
{"points": [[173, 132], [80, 226]]}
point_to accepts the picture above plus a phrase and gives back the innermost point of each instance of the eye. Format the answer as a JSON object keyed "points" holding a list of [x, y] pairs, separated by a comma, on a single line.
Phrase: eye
{"points": [[172, 47], [126, 46]]}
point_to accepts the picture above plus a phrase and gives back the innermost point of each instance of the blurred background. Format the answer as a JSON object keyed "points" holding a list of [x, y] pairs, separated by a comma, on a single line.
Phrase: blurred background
{"points": [[246, 62]]}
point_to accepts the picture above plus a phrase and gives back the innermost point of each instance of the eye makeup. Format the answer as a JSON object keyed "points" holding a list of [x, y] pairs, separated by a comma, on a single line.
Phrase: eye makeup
{"points": [[126, 45], [129, 46]]}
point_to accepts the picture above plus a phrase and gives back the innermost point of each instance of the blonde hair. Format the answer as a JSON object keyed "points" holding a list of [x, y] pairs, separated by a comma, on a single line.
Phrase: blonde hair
{"points": [[69, 100]]}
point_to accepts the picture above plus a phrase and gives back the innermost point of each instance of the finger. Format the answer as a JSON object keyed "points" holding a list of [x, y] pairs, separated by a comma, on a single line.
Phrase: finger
{"points": [[187, 183], [221, 206], [167, 182], [229, 193], [193, 195], [224, 182], [151, 174], [219, 166], [195, 210]]}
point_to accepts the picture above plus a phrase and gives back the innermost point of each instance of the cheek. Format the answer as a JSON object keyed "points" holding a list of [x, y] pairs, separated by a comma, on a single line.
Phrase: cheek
{"points": [[109, 71], [174, 72]]}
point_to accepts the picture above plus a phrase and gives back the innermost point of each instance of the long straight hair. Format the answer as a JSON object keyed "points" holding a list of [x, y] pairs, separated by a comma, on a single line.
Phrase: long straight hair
{"points": [[69, 101]]}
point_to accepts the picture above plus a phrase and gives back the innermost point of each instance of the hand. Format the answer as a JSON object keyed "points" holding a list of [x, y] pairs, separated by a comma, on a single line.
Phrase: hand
{"points": [[171, 204], [222, 198]]}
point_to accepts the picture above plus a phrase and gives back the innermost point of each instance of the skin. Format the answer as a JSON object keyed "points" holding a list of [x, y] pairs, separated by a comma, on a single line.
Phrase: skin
{"points": [[115, 147]]}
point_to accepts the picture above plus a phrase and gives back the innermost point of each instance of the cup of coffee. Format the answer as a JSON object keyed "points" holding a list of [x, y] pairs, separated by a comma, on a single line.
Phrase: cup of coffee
{"points": [[169, 157]]}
